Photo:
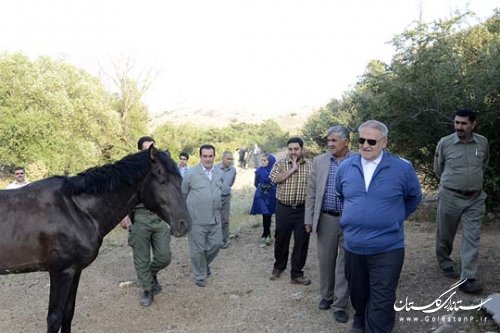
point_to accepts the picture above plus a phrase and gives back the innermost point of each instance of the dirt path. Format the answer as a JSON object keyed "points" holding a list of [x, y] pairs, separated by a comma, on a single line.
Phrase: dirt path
{"points": [[239, 296]]}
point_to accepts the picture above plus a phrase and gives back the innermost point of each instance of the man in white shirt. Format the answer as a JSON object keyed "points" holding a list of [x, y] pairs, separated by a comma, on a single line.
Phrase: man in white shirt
{"points": [[19, 174], [379, 191]]}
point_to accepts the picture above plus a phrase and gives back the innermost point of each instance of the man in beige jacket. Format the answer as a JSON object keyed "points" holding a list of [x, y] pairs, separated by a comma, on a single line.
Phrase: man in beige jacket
{"points": [[322, 217]]}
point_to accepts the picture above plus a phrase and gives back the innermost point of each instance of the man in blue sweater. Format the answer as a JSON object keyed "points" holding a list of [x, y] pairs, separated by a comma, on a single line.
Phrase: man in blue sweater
{"points": [[379, 191]]}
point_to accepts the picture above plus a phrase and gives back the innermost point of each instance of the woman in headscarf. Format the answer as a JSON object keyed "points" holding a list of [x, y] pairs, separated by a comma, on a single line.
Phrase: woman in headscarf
{"points": [[264, 201]]}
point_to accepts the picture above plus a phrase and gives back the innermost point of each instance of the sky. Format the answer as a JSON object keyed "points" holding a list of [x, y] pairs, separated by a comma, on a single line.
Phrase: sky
{"points": [[227, 55]]}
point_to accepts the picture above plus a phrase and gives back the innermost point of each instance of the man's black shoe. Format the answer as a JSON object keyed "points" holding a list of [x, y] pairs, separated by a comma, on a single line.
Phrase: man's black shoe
{"points": [[156, 285], [300, 280], [275, 274], [341, 316], [325, 304], [147, 298], [451, 273], [470, 286]]}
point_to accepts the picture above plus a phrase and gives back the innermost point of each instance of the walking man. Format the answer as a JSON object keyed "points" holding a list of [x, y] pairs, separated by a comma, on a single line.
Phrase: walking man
{"points": [[148, 233], [291, 175], [379, 191], [229, 175], [460, 162], [202, 188], [322, 217]]}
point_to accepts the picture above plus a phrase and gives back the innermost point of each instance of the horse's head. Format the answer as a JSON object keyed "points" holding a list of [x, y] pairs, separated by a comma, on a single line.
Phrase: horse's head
{"points": [[161, 192]]}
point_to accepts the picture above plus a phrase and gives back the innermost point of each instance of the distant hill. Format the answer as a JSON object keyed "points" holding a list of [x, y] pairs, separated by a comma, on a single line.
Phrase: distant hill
{"points": [[290, 120]]}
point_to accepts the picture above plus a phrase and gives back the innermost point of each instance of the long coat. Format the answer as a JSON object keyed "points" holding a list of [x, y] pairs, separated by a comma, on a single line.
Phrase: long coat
{"points": [[203, 196], [264, 201]]}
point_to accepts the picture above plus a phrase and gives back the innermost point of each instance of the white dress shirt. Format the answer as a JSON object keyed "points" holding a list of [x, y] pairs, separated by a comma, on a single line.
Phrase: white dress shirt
{"points": [[369, 169]]}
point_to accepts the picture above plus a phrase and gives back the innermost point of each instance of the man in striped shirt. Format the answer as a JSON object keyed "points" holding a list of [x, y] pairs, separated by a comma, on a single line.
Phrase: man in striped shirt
{"points": [[291, 175]]}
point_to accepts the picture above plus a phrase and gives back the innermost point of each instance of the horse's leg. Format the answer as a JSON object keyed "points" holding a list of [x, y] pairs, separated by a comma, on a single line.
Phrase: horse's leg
{"points": [[69, 309], [60, 286]]}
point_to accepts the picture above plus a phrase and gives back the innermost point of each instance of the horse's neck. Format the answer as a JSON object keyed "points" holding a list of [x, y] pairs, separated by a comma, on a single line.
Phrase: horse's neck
{"points": [[108, 209]]}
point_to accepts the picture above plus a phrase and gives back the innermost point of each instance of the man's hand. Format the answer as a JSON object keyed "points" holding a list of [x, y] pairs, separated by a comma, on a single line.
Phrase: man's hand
{"points": [[309, 228], [125, 223], [295, 165]]}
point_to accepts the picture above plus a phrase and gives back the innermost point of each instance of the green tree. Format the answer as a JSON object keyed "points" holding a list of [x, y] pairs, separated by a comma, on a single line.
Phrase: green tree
{"points": [[54, 118]]}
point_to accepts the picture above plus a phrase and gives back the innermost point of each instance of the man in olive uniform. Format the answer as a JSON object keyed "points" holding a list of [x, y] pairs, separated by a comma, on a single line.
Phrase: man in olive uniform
{"points": [[147, 233], [460, 162]]}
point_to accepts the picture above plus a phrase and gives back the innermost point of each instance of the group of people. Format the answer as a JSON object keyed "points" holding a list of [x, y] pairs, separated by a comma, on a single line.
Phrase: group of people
{"points": [[207, 190], [355, 203]]}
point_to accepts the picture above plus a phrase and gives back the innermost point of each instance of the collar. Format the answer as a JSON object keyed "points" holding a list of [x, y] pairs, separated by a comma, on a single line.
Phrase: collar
{"points": [[456, 139], [289, 160], [347, 155], [375, 161]]}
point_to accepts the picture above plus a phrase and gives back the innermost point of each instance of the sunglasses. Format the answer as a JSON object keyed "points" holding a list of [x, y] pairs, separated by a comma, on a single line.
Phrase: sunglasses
{"points": [[371, 142]]}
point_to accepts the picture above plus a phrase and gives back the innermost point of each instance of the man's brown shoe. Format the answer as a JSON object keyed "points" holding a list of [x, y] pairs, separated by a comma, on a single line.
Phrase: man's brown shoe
{"points": [[275, 274], [301, 280]]}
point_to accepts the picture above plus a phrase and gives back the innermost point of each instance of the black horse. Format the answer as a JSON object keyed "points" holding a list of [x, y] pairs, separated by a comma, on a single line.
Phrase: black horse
{"points": [[58, 224]]}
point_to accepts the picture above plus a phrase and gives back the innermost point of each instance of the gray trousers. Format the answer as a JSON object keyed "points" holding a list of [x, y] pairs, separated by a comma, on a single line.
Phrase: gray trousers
{"points": [[204, 244], [332, 279], [149, 234], [452, 209], [225, 213]]}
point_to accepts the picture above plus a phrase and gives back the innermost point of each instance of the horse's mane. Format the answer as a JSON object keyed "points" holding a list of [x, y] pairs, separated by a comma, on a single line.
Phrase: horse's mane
{"points": [[110, 177]]}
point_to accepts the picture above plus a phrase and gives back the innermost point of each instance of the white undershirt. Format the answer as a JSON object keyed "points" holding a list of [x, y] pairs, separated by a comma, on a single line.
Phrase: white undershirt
{"points": [[369, 169], [209, 172]]}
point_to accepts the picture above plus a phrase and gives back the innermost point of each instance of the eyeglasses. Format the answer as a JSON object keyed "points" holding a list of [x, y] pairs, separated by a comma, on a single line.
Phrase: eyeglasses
{"points": [[19, 173], [371, 142]]}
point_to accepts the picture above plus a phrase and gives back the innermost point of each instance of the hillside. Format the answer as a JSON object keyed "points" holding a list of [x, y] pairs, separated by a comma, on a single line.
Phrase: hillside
{"points": [[290, 120]]}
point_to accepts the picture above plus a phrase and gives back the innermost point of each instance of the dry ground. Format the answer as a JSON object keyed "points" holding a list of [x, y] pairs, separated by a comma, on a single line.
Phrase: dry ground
{"points": [[239, 297]]}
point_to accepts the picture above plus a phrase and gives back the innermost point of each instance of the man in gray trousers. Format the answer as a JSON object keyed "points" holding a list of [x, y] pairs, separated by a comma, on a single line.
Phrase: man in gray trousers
{"points": [[322, 217], [229, 175], [202, 188]]}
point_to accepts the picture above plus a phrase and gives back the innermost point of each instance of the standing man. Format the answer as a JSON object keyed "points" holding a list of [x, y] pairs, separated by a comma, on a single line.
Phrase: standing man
{"points": [[242, 153], [183, 163], [460, 163], [291, 175], [202, 188], [148, 233], [229, 175], [379, 191], [323, 211], [20, 180]]}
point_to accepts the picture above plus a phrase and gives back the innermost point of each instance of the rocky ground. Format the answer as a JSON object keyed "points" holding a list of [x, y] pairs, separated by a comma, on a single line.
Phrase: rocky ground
{"points": [[239, 297]]}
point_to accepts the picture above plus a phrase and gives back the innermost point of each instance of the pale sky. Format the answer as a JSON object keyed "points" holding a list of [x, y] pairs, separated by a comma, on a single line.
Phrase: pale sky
{"points": [[255, 55]]}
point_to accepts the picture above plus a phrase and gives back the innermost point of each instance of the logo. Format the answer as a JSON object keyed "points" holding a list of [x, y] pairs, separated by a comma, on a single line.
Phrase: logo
{"points": [[446, 301]]}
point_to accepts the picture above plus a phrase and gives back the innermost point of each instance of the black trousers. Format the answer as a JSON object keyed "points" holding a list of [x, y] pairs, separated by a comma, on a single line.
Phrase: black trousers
{"points": [[290, 220], [266, 223], [373, 280]]}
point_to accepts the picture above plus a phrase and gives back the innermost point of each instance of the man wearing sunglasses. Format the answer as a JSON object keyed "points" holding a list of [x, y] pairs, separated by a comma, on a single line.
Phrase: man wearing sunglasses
{"points": [[20, 181], [379, 191], [460, 162]]}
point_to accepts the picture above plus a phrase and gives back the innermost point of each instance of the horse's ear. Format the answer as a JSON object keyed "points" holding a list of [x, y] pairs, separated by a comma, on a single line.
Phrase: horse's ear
{"points": [[152, 151]]}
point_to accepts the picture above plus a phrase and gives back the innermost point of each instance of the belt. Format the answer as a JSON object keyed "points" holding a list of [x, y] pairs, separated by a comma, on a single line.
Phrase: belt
{"points": [[465, 193], [332, 212], [292, 206]]}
